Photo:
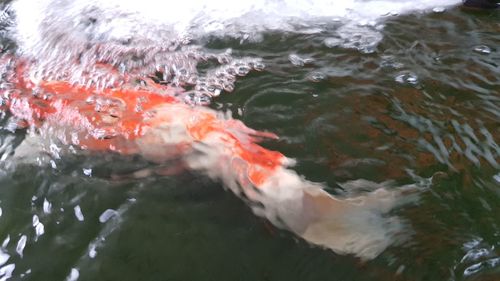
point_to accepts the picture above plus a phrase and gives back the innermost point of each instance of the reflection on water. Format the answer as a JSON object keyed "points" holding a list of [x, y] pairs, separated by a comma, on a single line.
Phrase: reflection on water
{"points": [[409, 109]]}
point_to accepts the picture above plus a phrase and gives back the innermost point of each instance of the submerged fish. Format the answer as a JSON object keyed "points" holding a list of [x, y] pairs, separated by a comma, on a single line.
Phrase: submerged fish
{"points": [[149, 119]]}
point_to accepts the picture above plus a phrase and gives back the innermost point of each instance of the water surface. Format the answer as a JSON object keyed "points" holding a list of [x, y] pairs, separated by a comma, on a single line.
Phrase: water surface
{"points": [[420, 106]]}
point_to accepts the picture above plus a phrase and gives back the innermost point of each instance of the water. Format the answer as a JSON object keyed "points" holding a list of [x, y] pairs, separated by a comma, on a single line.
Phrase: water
{"points": [[350, 100]]}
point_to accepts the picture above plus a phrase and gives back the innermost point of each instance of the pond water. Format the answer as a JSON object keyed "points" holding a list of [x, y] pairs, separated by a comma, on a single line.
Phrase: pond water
{"points": [[416, 100]]}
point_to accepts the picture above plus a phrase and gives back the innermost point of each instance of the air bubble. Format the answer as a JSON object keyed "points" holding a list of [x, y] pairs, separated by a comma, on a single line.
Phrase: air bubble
{"points": [[299, 61], [259, 66], [78, 213], [92, 251], [390, 62], [47, 206], [4, 257], [243, 70], [6, 241], [21, 244], [497, 177], [231, 71], [482, 49], [87, 172], [332, 42], [74, 275], [6, 271], [407, 78], [438, 9], [316, 77], [39, 227], [228, 87], [106, 215], [197, 98]]}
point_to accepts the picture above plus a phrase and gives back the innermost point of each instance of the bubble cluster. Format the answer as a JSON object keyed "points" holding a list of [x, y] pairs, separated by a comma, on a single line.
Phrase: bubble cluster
{"points": [[364, 38], [78, 50], [110, 43], [112, 65]]}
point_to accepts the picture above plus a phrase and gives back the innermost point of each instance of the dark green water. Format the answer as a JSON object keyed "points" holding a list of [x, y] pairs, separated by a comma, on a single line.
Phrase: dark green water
{"points": [[425, 104]]}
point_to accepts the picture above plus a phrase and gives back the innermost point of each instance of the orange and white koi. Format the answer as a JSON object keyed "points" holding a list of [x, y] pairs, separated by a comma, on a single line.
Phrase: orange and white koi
{"points": [[150, 121]]}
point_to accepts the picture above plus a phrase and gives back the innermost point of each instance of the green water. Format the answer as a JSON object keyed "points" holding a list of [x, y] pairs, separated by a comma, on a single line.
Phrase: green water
{"points": [[425, 104]]}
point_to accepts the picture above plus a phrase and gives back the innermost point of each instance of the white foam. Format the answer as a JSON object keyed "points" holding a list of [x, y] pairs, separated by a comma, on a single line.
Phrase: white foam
{"points": [[159, 20], [144, 37]]}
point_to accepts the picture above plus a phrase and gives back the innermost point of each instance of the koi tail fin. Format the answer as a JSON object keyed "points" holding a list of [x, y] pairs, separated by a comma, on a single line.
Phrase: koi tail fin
{"points": [[360, 225]]}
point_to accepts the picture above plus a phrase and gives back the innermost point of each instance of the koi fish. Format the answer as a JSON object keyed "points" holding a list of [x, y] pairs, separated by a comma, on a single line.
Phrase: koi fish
{"points": [[150, 120]]}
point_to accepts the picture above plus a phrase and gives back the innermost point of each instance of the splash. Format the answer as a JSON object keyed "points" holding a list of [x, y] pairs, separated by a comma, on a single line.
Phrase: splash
{"points": [[159, 21], [165, 40]]}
